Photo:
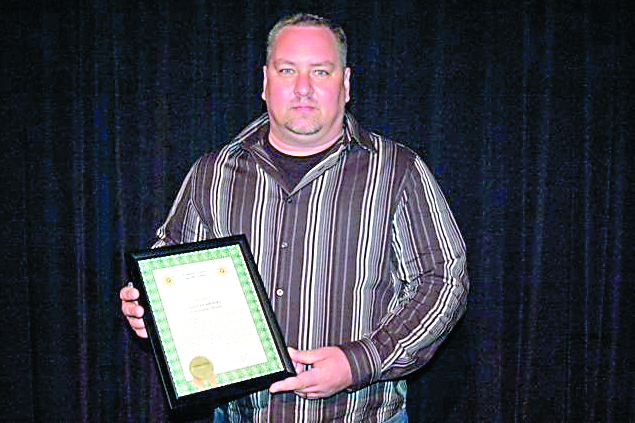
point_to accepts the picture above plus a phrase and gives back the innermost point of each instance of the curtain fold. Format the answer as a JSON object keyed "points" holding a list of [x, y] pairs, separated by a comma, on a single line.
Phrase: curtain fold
{"points": [[522, 112]]}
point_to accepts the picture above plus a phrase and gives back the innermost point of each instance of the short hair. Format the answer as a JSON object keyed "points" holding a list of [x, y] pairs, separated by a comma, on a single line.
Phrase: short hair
{"points": [[306, 19]]}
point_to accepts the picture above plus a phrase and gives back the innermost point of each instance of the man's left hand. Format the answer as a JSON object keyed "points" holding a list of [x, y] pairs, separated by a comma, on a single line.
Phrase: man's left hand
{"points": [[329, 373]]}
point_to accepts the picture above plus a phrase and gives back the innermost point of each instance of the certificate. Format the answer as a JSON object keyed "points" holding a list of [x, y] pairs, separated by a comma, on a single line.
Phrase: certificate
{"points": [[210, 323]]}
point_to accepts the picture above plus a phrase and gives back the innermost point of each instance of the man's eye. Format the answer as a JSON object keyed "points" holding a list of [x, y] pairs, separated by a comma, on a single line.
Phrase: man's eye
{"points": [[321, 72], [286, 71]]}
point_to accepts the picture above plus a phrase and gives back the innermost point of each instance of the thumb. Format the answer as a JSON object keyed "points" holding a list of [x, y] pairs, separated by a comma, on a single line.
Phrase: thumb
{"points": [[308, 356], [297, 365]]}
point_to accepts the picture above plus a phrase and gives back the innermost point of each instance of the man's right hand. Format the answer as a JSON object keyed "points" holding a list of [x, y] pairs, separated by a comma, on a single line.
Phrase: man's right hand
{"points": [[132, 310]]}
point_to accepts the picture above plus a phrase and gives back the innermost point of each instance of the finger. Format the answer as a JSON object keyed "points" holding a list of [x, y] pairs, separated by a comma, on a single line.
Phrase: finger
{"points": [[293, 353], [128, 309], [129, 293], [314, 390], [141, 332], [299, 367], [124, 293], [136, 323], [297, 383], [309, 356], [311, 395], [132, 310]]}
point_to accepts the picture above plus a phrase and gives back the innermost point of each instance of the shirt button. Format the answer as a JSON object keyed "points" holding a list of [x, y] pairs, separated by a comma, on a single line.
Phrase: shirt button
{"points": [[279, 292], [284, 244], [289, 200]]}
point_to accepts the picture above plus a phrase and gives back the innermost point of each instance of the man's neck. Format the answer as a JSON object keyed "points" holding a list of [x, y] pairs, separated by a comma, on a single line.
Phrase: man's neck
{"points": [[294, 150]]}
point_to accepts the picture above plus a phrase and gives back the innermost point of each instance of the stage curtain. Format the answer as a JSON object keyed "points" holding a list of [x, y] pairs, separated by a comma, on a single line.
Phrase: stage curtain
{"points": [[522, 110]]}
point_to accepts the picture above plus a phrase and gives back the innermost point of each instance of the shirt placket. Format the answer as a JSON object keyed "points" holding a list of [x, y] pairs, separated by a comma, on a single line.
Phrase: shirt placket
{"points": [[289, 266]]}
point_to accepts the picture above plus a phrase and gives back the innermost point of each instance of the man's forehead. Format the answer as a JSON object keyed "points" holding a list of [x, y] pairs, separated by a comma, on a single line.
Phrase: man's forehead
{"points": [[285, 62], [296, 40], [306, 29]]}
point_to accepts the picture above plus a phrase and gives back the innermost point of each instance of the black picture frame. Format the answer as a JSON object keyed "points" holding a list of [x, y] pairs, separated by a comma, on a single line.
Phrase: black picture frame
{"points": [[165, 306]]}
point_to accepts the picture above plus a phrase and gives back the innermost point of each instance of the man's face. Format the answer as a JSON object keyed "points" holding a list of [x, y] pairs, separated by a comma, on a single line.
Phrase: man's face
{"points": [[305, 86]]}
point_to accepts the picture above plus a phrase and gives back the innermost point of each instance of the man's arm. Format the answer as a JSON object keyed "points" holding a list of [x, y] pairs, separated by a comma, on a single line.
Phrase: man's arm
{"points": [[184, 222], [430, 262]]}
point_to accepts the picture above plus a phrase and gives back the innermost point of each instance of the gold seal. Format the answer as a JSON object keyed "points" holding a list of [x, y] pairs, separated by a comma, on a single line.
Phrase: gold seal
{"points": [[221, 270], [168, 280], [202, 370]]}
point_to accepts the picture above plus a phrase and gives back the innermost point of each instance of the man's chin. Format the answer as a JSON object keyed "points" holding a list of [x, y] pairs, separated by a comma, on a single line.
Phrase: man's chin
{"points": [[303, 129]]}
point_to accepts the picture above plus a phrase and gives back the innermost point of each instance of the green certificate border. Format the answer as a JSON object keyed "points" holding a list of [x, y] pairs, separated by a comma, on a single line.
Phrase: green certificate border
{"points": [[229, 385], [181, 384]]}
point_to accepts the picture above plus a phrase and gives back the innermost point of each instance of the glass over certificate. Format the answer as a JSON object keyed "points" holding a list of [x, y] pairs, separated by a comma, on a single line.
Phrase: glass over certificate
{"points": [[209, 320]]}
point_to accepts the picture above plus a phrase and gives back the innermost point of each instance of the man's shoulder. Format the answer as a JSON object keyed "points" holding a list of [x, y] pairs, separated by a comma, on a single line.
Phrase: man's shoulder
{"points": [[375, 142], [386, 146], [237, 145]]}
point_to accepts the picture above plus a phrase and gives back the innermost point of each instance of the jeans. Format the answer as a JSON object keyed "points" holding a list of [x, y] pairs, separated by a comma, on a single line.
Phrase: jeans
{"points": [[400, 417]]}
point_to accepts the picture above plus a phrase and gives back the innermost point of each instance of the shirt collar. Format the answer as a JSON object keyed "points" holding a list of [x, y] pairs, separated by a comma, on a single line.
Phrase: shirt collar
{"points": [[256, 134], [355, 134]]}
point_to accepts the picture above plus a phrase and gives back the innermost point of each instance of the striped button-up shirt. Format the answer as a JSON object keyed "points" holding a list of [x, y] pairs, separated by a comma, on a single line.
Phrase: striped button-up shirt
{"points": [[363, 253]]}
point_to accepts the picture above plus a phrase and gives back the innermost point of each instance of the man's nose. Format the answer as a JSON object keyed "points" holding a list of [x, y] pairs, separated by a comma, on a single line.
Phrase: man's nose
{"points": [[303, 85]]}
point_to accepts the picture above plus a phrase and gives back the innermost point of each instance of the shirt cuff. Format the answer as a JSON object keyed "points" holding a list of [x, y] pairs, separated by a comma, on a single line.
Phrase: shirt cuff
{"points": [[365, 362]]}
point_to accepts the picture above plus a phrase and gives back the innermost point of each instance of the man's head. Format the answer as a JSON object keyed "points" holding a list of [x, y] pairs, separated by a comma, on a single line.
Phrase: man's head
{"points": [[305, 19], [306, 84]]}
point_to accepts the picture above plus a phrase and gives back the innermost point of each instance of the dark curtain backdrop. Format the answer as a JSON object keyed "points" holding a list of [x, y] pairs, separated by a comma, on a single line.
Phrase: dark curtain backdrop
{"points": [[523, 110]]}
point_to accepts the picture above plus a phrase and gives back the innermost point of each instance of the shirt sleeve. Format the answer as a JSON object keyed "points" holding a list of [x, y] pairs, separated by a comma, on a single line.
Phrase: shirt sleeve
{"points": [[184, 222], [430, 265]]}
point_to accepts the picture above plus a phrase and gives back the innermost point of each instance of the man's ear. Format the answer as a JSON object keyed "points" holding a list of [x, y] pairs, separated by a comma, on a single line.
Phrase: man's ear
{"points": [[347, 83], [264, 83]]}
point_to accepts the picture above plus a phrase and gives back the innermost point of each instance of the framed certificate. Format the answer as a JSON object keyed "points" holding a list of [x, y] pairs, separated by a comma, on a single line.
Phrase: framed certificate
{"points": [[209, 320]]}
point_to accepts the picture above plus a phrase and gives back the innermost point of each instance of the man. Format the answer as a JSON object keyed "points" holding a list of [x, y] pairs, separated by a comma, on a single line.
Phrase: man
{"points": [[360, 255]]}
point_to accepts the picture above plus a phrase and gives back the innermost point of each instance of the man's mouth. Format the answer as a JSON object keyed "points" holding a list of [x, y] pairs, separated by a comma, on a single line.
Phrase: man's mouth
{"points": [[304, 107]]}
